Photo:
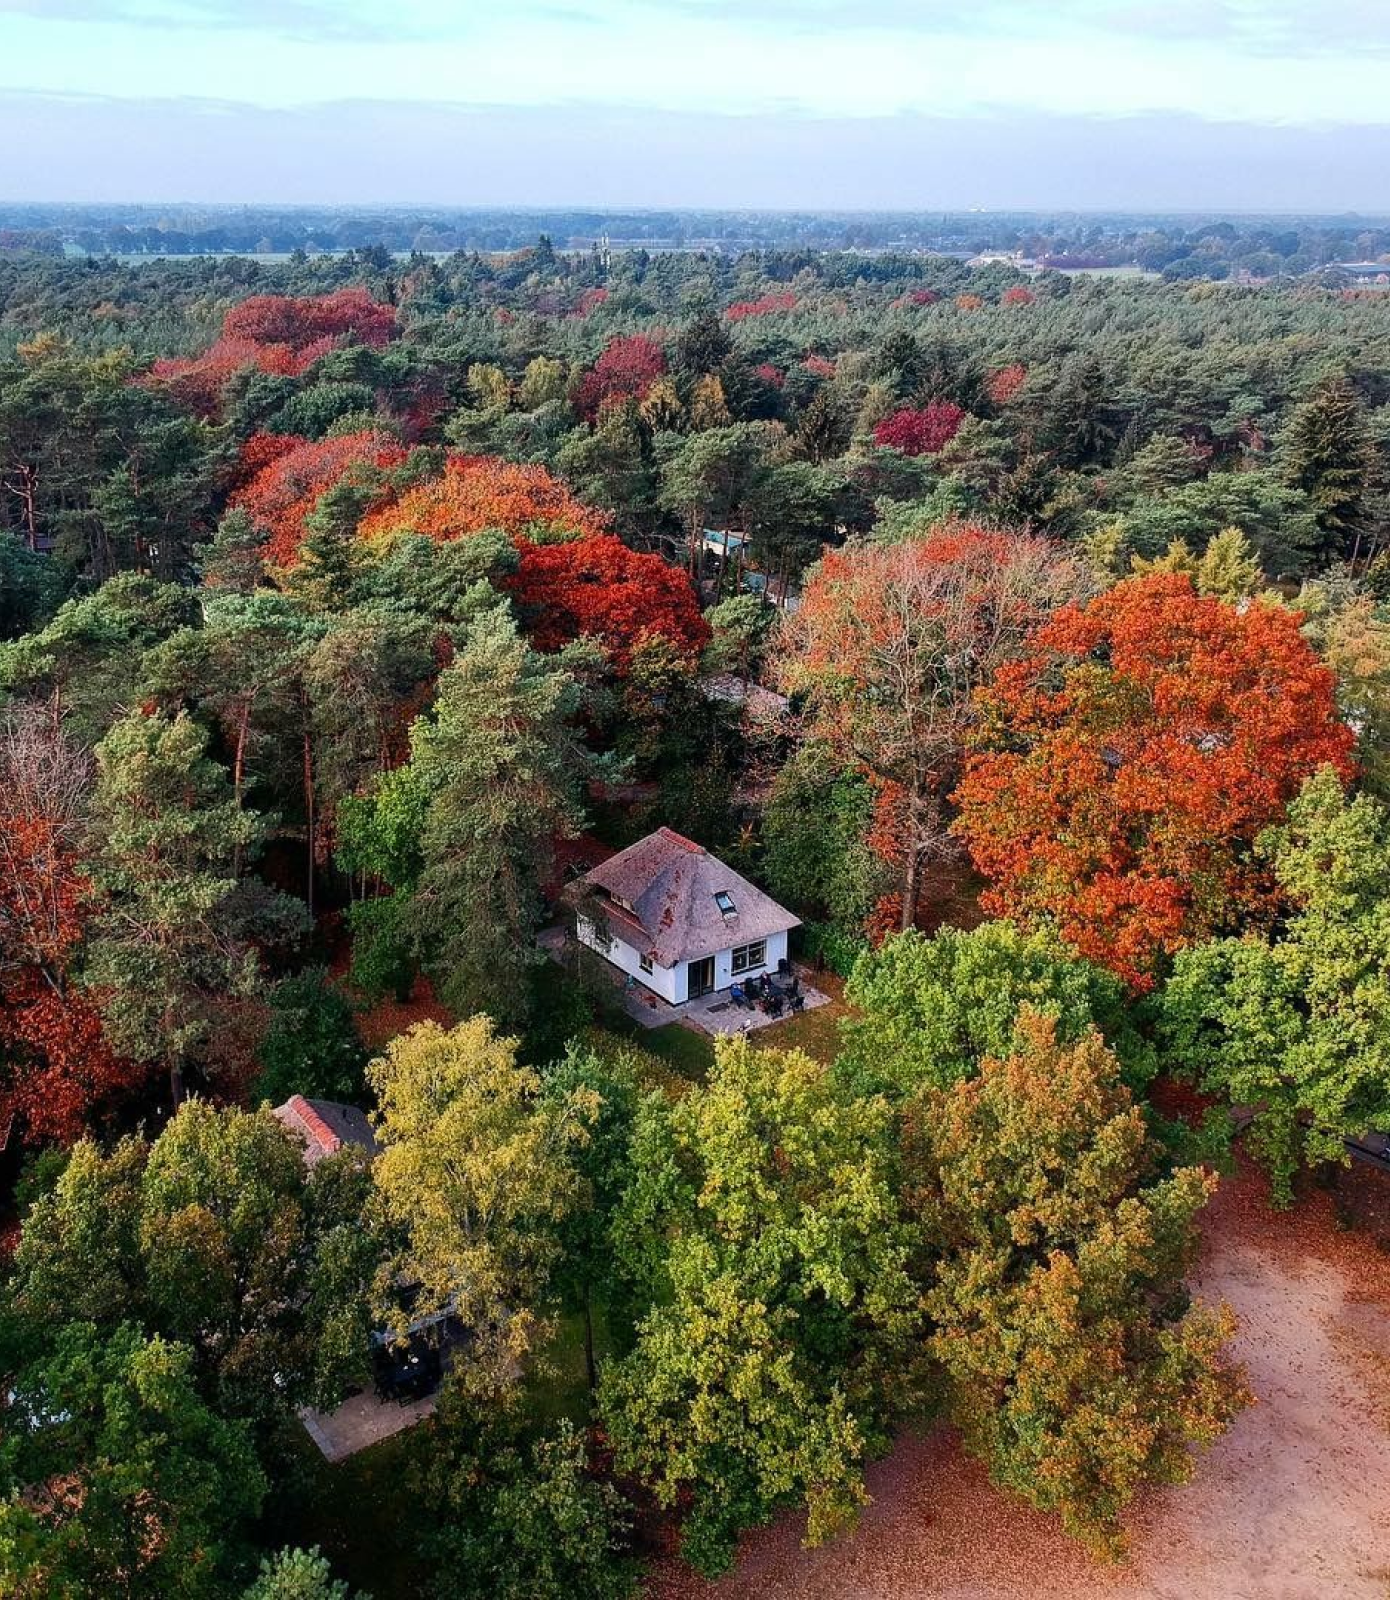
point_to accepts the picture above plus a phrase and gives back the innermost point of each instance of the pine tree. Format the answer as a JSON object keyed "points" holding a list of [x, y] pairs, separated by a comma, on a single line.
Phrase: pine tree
{"points": [[332, 557], [1229, 568], [168, 956], [1326, 453], [234, 558]]}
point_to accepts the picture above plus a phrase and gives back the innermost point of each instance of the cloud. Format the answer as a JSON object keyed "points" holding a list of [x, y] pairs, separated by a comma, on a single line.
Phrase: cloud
{"points": [[1296, 28], [432, 153], [291, 19]]}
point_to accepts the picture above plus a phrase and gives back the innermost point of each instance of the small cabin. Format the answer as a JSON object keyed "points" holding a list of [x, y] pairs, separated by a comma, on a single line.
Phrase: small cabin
{"points": [[678, 920]]}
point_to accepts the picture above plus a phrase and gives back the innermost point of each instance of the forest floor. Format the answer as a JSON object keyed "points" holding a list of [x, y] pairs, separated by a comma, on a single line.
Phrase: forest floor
{"points": [[1293, 1504]]}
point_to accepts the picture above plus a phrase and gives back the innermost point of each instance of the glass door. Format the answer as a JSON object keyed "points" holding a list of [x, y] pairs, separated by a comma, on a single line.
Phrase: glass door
{"points": [[701, 977]]}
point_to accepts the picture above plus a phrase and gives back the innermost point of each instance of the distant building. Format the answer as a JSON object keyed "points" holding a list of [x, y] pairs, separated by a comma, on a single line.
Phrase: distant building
{"points": [[678, 920], [1003, 258], [1364, 272]]}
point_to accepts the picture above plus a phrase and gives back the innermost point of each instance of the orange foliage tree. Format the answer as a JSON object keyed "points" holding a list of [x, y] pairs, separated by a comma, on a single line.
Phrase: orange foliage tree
{"points": [[1133, 756], [890, 645], [1005, 383], [599, 589], [275, 333], [477, 492], [281, 494], [55, 1066]]}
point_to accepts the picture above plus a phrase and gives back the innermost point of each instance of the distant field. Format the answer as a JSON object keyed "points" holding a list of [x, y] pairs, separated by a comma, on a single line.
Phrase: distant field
{"points": [[1111, 272]]}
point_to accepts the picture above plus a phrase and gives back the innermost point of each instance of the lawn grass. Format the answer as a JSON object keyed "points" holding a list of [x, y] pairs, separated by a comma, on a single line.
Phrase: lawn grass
{"points": [[364, 1513], [685, 1051], [560, 1389], [816, 1032]]}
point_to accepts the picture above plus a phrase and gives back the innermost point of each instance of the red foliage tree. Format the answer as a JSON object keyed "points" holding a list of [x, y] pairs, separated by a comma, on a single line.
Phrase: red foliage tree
{"points": [[630, 364], [301, 323], [921, 433], [923, 297], [599, 589], [55, 1066], [283, 492], [275, 333], [1135, 753], [763, 306], [819, 366], [1006, 382], [1017, 296], [477, 492], [770, 374], [589, 301]]}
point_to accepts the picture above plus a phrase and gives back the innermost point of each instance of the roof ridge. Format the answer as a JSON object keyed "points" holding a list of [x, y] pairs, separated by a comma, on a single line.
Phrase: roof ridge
{"points": [[680, 839], [319, 1129]]}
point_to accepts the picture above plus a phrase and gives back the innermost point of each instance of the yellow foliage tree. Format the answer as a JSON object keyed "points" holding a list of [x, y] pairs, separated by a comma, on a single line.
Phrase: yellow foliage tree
{"points": [[475, 1176]]}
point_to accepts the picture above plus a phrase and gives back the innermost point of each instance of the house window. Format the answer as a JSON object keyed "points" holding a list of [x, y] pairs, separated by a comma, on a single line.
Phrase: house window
{"points": [[724, 900], [747, 957], [645, 962]]}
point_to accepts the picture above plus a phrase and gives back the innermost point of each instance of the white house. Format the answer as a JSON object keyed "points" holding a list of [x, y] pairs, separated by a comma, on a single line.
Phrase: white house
{"points": [[678, 920]]}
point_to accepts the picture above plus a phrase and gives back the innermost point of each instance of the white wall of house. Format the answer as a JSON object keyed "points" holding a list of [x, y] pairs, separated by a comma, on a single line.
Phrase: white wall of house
{"points": [[775, 947], [673, 983], [668, 982]]}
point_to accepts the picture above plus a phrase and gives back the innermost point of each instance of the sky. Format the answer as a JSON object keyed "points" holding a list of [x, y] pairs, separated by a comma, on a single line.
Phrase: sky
{"points": [[913, 104]]}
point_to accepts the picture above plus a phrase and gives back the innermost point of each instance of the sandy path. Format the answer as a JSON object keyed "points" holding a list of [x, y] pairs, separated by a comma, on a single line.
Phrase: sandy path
{"points": [[1294, 1504]]}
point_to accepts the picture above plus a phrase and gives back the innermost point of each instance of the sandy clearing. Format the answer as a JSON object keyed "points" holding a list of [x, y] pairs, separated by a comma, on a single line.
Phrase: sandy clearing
{"points": [[1294, 1504]]}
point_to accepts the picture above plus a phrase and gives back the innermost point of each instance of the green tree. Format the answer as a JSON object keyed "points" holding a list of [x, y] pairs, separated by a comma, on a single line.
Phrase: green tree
{"points": [[1297, 1025], [762, 1224], [1324, 451], [1278, 519], [31, 588], [170, 953], [234, 558], [544, 382], [297, 1575], [608, 1081], [703, 345], [929, 1010], [522, 1520], [712, 477], [1352, 634], [613, 466], [1229, 568], [312, 1046], [743, 627], [815, 833], [87, 661], [497, 759], [214, 1236], [123, 1480], [332, 559], [476, 1173], [1072, 1364]]}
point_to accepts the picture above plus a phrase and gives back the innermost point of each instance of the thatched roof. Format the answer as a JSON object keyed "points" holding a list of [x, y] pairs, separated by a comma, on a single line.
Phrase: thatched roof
{"points": [[674, 901]]}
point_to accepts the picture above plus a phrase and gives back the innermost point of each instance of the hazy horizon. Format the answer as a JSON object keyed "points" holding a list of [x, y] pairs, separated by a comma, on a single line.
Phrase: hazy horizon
{"points": [[1250, 106]]}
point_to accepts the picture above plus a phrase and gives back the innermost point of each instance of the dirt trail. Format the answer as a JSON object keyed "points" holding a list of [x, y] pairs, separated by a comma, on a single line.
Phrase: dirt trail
{"points": [[1294, 1504]]}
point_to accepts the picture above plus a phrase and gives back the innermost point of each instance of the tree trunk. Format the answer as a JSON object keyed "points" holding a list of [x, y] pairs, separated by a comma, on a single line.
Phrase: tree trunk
{"points": [[176, 1084], [913, 866], [239, 775], [910, 884], [696, 519], [590, 1367], [309, 818]]}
